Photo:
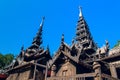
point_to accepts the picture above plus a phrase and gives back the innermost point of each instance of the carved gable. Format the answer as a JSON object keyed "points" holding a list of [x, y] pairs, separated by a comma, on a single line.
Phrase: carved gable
{"points": [[67, 69]]}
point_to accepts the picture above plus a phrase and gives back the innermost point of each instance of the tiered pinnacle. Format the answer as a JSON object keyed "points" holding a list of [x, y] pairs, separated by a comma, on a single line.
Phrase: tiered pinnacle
{"points": [[83, 35], [38, 38], [80, 9]]}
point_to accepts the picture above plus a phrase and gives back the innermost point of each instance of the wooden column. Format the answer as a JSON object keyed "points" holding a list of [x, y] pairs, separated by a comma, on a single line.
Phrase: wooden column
{"points": [[97, 69], [34, 71], [113, 70], [46, 71], [53, 71]]}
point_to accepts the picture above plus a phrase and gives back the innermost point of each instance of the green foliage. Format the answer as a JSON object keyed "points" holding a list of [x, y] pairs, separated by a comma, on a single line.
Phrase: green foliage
{"points": [[1, 60], [117, 44], [5, 59]]}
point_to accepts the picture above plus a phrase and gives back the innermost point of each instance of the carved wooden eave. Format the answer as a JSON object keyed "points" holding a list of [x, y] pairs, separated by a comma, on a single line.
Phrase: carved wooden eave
{"points": [[25, 65], [78, 61], [33, 46], [38, 55], [67, 54], [111, 58], [28, 55], [68, 49], [73, 45], [11, 65], [108, 59], [67, 46], [18, 67], [51, 61]]}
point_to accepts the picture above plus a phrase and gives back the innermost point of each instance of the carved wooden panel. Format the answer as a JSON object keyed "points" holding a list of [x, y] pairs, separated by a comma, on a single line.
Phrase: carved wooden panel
{"points": [[67, 69]]}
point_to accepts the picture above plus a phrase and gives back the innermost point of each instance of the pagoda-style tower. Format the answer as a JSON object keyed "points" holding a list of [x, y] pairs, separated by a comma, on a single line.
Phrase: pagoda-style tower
{"points": [[31, 63], [37, 40], [83, 36]]}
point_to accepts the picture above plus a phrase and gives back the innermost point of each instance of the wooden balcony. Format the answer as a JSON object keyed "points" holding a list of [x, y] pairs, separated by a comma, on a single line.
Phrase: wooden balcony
{"points": [[85, 76]]}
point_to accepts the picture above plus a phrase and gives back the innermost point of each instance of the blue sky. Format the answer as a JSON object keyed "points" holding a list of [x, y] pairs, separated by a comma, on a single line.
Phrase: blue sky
{"points": [[20, 20]]}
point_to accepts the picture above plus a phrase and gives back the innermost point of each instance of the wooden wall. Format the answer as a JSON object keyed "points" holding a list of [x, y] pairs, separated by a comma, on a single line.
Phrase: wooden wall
{"points": [[67, 69], [19, 76]]}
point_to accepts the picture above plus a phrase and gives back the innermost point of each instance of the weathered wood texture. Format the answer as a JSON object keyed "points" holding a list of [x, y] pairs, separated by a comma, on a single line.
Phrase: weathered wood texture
{"points": [[67, 69], [19, 76]]}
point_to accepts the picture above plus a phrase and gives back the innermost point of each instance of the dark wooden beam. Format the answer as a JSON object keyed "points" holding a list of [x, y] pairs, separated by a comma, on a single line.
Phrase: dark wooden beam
{"points": [[40, 65], [34, 71]]}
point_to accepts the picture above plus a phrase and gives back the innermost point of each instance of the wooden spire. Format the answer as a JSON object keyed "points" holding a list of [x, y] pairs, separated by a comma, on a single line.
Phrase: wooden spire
{"points": [[38, 38]]}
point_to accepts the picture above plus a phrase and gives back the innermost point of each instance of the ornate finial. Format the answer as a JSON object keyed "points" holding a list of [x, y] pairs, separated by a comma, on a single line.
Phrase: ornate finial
{"points": [[47, 47], [106, 41], [62, 39], [22, 48], [80, 10], [48, 50], [107, 45], [43, 18], [73, 40]]}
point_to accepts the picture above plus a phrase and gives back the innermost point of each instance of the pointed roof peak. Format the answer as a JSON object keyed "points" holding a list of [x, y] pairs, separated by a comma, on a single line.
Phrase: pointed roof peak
{"points": [[38, 38], [42, 22], [22, 48], [80, 11], [41, 25], [62, 39], [48, 47]]}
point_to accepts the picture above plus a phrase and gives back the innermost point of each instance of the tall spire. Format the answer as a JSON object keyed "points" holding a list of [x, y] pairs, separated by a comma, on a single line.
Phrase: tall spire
{"points": [[80, 11], [38, 38], [83, 35]]}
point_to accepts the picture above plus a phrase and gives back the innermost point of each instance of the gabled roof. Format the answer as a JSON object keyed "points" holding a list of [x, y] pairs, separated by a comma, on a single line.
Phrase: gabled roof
{"points": [[57, 54], [68, 54]]}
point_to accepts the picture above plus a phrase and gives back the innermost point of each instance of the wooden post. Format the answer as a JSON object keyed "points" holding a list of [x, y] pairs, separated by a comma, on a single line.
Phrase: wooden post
{"points": [[53, 71], [46, 71], [97, 69], [113, 70], [34, 71]]}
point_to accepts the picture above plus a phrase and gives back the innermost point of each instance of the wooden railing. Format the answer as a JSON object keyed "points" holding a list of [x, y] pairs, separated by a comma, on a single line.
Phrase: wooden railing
{"points": [[85, 76], [108, 77], [76, 77]]}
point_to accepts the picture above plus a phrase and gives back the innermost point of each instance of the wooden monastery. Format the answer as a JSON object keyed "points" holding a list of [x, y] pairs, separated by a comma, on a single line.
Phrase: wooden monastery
{"points": [[82, 60]]}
